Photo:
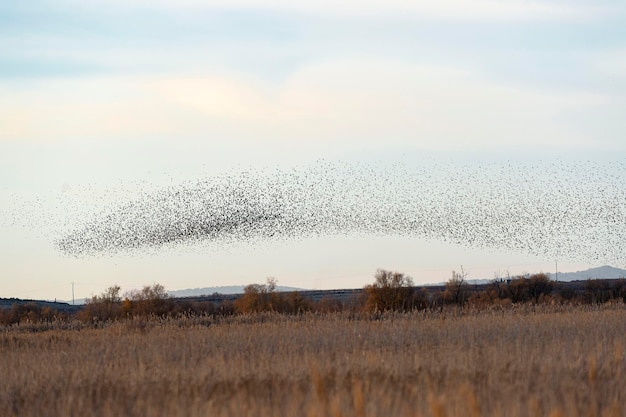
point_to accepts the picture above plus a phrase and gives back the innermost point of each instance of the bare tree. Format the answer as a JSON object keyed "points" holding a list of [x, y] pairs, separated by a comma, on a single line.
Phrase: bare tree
{"points": [[457, 289], [390, 291], [538, 285], [258, 297], [105, 306]]}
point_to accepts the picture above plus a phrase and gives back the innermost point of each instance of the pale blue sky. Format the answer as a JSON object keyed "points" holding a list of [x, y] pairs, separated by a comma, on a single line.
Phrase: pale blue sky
{"points": [[99, 99]]}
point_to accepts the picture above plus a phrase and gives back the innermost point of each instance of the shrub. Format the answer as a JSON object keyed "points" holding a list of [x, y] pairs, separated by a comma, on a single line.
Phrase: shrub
{"points": [[105, 306], [619, 289], [518, 289], [457, 291], [257, 297], [151, 300], [539, 285], [597, 291], [390, 291]]}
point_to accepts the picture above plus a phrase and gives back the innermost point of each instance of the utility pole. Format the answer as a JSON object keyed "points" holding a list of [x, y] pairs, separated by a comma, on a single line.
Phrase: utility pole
{"points": [[72, 292], [556, 265]]}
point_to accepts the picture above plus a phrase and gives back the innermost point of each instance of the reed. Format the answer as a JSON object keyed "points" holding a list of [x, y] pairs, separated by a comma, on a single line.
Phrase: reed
{"points": [[527, 361]]}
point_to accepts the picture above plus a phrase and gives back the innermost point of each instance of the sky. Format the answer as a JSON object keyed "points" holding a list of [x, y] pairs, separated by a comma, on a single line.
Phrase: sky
{"points": [[103, 102]]}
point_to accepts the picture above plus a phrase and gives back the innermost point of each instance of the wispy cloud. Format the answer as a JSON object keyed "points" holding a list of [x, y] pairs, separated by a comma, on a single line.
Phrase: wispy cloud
{"points": [[343, 102], [611, 62], [441, 9]]}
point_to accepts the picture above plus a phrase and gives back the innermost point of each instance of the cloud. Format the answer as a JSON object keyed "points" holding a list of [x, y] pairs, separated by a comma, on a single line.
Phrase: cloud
{"points": [[431, 107], [611, 62], [61, 108], [439, 9], [341, 104]]}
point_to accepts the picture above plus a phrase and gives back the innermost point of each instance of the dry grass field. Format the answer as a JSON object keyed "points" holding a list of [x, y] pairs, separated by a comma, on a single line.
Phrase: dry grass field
{"points": [[523, 361]]}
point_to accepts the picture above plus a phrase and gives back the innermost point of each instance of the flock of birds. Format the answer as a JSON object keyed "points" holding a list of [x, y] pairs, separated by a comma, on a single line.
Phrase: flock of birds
{"points": [[557, 210]]}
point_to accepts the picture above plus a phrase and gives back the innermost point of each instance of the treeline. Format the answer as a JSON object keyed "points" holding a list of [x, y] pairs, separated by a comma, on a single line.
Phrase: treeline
{"points": [[390, 291], [395, 291], [30, 312]]}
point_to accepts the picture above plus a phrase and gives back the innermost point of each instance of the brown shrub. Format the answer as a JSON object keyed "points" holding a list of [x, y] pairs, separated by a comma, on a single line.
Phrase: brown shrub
{"points": [[391, 291], [457, 290]]}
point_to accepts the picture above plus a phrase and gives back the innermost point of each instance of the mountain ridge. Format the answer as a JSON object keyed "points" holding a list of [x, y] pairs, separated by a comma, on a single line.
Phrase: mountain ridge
{"points": [[601, 272], [605, 271], [225, 290]]}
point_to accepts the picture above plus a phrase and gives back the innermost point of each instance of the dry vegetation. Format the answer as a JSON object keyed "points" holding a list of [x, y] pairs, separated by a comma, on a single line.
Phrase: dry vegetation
{"points": [[522, 360]]}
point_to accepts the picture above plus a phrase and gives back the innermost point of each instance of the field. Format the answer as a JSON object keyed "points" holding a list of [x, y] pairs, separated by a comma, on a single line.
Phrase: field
{"points": [[521, 361]]}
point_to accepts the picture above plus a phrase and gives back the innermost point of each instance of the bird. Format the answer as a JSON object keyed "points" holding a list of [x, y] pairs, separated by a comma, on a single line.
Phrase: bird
{"points": [[562, 208]]}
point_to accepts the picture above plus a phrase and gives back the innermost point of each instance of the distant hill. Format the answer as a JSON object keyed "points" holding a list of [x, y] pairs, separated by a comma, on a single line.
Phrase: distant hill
{"points": [[606, 272], [56, 305], [231, 289], [602, 272]]}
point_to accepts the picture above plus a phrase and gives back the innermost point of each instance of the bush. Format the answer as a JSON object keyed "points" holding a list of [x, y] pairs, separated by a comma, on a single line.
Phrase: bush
{"points": [[151, 300], [597, 291], [264, 297], [103, 307], [257, 297], [390, 291], [457, 291], [518, 290], [619, 289], [539, 285]]}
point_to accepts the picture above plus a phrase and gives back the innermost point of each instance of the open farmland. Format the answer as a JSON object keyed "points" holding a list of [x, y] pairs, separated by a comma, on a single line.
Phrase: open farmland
{"points": [[522, 361]]}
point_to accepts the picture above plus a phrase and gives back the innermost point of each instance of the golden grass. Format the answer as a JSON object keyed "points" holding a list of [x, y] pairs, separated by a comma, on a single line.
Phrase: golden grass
{"points": [[531, 361]]}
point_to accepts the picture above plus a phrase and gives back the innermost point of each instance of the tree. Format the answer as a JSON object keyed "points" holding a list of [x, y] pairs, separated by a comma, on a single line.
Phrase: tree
{"points": [[518, 289], [258, 297], [500, 286], [112, 294], [457, 289], [390, 291], [597, 291], [105, 306], [538, 285], [149, 300], [619, 289]]}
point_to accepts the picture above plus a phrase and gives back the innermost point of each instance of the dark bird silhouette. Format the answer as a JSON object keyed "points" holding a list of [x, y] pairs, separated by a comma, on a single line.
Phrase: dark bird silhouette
{"points": [[560, 210]]}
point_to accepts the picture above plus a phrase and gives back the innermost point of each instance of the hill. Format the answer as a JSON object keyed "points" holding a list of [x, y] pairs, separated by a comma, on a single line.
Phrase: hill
{"points": [[602, 272], [225, 290], [55, 305]]}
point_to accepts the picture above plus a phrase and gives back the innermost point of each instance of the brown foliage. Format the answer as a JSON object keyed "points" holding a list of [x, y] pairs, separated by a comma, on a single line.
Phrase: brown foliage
{"points": [[518, 289], [457, 290], [328, 305], [597, 291], [257, 298], [264, 297], [103, 307], [28, 312], [539, 285], [150, 300], [524, 361], [391, 291], [619, 289]]}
